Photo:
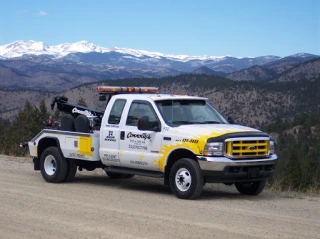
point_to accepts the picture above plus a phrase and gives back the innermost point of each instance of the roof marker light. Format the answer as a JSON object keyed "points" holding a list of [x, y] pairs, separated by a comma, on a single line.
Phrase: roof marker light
{"points": [[118, 89]]}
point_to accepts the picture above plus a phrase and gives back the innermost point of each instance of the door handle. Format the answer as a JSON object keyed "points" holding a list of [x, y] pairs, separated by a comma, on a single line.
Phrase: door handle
{"points": [[122, 135]]}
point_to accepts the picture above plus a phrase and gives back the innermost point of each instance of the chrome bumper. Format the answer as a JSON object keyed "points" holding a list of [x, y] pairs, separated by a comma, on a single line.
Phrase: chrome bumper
{"points": [[220, 163]]}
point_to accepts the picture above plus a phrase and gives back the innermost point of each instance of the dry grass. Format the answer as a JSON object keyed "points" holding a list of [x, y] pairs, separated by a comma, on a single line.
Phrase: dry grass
{"points": [[289, 192], [25, 159]]}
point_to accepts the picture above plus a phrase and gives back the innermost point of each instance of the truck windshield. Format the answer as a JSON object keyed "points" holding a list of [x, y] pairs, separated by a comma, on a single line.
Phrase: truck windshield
{"points": [[179, 112]]}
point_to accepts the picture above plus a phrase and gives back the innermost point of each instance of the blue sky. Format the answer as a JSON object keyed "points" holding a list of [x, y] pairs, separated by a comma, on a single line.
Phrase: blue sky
{"points": [[203, 27]]}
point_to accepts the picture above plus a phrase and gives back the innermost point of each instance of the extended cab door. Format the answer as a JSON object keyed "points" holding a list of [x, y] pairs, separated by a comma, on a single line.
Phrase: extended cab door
{"points": [[140, 149], [110, 135]]}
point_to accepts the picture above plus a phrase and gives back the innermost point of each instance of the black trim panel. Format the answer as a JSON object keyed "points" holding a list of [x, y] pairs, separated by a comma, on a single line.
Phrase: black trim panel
{"points": [[232, 174], [236, 135], [141, 172]]}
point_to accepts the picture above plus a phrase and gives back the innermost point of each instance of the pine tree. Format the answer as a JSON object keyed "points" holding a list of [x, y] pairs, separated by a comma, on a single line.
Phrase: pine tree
{"points": [[23, 128], [4, 125], [43, 114], [82, 101], [292, 172], [57, 118], [308, 172]]}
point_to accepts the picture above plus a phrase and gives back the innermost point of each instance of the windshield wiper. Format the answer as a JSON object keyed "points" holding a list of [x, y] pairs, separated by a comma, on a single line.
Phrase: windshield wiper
{"points": [[182, 122], [209, 122]]}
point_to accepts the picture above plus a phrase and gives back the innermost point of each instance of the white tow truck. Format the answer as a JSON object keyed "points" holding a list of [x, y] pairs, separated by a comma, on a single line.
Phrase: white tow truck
{"points": [[182, 139]]}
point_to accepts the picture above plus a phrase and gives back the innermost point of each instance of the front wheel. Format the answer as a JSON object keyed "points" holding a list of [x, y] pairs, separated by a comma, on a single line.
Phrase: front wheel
{"points": [[186, 180], [251, 188], [53, 165]]}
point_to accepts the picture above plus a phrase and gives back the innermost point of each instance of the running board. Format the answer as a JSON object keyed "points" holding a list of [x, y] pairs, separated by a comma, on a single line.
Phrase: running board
{"points": [[148, 173]]}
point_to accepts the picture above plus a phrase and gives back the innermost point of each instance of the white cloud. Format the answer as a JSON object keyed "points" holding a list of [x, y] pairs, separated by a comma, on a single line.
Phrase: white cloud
{"points": [[43, 13]]}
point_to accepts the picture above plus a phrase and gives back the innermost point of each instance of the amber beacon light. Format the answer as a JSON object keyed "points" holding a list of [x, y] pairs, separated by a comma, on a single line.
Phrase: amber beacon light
{"points": [[118, 89]]}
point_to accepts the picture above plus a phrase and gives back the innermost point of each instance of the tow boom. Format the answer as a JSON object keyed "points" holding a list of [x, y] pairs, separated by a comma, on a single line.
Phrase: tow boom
{"points": [[74, 109]]}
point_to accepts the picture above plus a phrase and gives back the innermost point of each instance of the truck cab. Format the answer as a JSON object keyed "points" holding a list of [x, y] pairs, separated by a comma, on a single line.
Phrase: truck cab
{"points": [[180, 138]]}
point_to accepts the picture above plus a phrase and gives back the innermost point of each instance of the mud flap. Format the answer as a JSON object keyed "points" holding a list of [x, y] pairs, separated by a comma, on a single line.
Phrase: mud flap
{"points": [[36, 164]]}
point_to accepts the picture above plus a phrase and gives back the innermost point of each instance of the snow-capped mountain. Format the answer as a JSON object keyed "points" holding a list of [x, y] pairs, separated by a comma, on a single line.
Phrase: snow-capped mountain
{"points": [[20, 48], [36, 65]]}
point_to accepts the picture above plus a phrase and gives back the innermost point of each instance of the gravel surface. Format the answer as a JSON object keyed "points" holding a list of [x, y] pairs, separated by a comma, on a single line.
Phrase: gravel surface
{"points": [[94, 206]]}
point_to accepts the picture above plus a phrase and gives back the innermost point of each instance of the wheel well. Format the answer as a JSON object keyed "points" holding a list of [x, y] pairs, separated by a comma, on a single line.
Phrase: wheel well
{"points": [[175, 156], [45, 143]]}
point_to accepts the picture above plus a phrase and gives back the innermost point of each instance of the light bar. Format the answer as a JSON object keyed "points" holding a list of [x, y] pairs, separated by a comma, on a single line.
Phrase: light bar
{"points": [[119, 89]]}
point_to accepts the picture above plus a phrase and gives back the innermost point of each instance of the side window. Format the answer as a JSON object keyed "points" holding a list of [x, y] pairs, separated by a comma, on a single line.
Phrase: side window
{"points": [[116, 111], [139, 109]]}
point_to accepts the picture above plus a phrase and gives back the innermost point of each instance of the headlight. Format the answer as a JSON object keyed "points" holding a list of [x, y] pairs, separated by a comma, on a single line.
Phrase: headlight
{"points": [[213, 149], [271, 148]]}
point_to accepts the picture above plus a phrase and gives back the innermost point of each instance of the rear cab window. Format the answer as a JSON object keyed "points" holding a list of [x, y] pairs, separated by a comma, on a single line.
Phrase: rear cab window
{"points": [[116, 111]]}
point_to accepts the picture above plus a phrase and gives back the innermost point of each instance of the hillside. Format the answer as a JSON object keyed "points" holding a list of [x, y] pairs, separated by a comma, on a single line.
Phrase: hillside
{"points": [[46, 74], [281, 65], [289, 69], [207, 71], [254, 73], [250, 103], [12, 101], [307, 70]]}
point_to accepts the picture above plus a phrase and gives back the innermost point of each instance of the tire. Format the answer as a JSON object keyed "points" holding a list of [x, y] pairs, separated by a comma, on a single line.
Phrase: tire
{"points": [[251, 188], [53, 165], [67, 123], [119, 175], [186, 180], [82, 124], [71, 171]]}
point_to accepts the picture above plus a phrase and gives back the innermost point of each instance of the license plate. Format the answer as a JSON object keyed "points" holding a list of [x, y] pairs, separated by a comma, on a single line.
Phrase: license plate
{"points": [[253, 172]]}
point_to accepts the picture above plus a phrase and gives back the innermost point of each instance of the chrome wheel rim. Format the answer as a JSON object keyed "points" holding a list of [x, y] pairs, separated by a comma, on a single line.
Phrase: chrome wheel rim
{"points": [[183, 179], [50, 165]]}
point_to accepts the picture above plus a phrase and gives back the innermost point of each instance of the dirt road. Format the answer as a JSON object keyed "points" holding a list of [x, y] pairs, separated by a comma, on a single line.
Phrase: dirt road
{"points": [[94, 206]]}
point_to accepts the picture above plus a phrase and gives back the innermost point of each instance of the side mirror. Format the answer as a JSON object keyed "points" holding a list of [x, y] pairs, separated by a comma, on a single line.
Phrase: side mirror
{"points": [[145, 124], [230, 120]]}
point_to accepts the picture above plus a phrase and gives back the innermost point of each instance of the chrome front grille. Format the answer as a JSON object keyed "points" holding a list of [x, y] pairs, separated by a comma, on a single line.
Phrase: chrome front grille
{"points": [[247, 148]]}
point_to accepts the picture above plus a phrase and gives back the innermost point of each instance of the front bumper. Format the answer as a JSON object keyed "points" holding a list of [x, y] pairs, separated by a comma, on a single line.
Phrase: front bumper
{"points": [[222, 169]]}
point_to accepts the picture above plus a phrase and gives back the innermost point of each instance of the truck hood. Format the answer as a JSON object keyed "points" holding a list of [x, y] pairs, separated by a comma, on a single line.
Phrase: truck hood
{"points": [[211, 130]]}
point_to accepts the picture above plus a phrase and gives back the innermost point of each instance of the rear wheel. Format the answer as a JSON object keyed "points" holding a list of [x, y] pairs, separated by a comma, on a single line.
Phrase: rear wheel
{"points": [[72, 170], [251, 188], [53, 165], [186, 180], [119, 175]]}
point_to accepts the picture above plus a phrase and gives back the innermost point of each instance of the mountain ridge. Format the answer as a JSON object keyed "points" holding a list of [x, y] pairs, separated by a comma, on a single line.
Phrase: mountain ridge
{"points": [[36, 65], [289, 70], [20, 48], [254, 73]]}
